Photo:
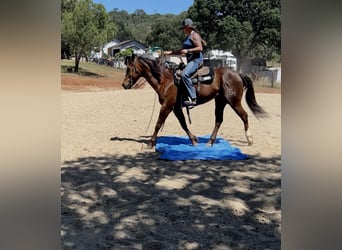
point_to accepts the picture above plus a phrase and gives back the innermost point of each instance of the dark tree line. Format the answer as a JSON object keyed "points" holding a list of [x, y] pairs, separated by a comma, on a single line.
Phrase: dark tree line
{"points": [[248, 28]]}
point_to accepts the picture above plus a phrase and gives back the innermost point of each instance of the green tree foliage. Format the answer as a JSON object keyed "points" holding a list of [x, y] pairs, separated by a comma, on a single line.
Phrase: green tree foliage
{"points": [[68, 5], [165, 32], [122, 20], [132, 26], [123, 53], [152, 30], [85, 25], [248, 28]]}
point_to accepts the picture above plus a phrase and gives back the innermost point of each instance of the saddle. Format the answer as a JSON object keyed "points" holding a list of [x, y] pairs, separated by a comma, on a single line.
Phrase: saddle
{"points": [[203, 75]]}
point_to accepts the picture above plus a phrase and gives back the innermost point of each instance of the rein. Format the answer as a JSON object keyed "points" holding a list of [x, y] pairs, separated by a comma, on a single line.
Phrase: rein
{"points": [[130, 76], [154, 104], [155, 97]]}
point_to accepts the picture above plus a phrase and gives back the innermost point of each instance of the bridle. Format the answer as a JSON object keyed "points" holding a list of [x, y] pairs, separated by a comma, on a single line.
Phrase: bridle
{"points": [[131, 70]]}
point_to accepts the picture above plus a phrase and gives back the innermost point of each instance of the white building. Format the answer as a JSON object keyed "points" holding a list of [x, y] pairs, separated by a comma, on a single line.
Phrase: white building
{"points": [[228, 58], [113, 47], [104, 49]]}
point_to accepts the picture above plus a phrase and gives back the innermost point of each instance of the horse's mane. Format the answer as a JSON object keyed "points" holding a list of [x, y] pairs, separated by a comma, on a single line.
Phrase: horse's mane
{"points": [[155, 65]]}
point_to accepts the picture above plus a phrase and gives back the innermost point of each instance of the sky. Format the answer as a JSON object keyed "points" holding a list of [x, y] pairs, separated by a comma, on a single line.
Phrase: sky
{"points": [[149, 6]]}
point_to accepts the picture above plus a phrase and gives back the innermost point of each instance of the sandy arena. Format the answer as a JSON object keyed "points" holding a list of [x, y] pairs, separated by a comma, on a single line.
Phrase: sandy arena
{"points": [[116, 194]]}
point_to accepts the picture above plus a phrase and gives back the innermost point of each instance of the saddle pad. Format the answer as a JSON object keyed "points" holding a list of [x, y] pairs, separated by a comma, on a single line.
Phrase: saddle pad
{"points": [[175, 148], [203, 71]]}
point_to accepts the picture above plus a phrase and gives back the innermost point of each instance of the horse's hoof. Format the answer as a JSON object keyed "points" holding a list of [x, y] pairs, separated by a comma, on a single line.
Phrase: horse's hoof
{"points": [[249, 138], [149, 146], [194, 142], [210, 143]]}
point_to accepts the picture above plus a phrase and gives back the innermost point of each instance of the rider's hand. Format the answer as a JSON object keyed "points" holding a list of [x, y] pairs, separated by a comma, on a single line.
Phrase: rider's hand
{"points": [[184, 51], [167, 52]]}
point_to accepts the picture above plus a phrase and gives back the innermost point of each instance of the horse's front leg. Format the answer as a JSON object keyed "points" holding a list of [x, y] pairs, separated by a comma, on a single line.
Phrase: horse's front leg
{"points": [[163, 114], [220, 104], [180, 116]]}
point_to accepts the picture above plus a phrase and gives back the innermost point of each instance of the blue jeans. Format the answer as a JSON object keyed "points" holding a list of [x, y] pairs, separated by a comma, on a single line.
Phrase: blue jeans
{"points": [[190, 68]]}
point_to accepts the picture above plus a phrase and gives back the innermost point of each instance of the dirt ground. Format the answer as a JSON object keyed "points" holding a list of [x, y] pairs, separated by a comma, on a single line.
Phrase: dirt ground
{"points": [[116, 194]]}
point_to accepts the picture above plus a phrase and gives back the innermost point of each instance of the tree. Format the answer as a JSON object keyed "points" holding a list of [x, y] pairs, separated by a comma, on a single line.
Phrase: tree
{"points": [[67, 5], [165, 32], [132, 26], [84, 27], [122, 20], [247, 28], [152, 30]]}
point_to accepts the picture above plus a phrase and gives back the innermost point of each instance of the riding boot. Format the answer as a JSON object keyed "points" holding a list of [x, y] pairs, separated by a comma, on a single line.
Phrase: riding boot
{"points": [[191, 102]]}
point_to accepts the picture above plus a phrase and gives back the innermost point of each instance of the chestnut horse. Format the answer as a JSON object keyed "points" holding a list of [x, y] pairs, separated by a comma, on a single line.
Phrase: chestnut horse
{"points": [[227, 88]]}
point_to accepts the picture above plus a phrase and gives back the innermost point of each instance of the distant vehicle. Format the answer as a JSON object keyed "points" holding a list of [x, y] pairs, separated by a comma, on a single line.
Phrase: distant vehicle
{"points": [[228, 58], [155, 52]]}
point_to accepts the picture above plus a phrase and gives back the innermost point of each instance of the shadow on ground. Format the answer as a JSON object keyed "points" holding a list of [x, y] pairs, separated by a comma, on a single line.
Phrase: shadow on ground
{"points": [[139, 202], [82, 72]]}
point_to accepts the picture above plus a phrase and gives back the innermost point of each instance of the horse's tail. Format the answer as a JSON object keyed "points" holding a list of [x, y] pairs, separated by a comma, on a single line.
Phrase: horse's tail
{"points": [[257, 110]]}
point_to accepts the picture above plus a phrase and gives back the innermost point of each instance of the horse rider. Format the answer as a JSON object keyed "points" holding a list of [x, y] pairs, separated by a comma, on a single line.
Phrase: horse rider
{"points": [[192, 48]]}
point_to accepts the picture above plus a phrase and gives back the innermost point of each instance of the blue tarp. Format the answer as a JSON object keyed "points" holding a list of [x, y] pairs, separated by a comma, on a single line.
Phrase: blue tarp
{"points": [[175, 148]]}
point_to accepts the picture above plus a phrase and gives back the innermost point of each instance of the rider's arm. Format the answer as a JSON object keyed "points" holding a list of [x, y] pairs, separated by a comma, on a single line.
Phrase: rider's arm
{"points": [[197, 40], [175, 52]]}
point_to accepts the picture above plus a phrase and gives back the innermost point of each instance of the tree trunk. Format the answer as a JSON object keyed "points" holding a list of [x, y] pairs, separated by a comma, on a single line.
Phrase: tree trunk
{"points": [[77, 61], [239, 63], [243, 64]]}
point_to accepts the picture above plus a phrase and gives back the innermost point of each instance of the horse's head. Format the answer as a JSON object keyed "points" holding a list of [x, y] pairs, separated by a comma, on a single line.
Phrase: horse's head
{"points": [[132, 72]]}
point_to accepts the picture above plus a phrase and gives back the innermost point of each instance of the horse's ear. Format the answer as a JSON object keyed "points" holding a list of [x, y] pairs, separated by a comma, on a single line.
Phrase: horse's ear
{"points": [[129, 59], [126, 60]]}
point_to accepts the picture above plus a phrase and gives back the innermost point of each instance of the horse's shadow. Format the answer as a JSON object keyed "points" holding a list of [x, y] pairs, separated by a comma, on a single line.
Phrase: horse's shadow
{"points": [[144, 139]]}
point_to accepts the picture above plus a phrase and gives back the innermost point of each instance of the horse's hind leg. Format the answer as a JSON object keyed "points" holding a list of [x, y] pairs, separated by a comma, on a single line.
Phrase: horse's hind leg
{"points": [[244, 117], [220, 104], [180, 116]]}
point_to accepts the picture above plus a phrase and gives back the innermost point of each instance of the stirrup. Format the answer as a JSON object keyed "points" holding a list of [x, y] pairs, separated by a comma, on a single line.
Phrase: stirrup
{"points": [[190, 103]]}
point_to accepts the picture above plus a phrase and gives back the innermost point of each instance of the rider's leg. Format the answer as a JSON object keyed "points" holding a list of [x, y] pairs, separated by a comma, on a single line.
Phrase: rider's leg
{"points": [[190, 68]]}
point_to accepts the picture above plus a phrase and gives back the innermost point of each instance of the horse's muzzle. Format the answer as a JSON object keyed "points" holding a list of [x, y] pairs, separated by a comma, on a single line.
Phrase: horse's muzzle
{"points": [[124, 86], [127, 84]]}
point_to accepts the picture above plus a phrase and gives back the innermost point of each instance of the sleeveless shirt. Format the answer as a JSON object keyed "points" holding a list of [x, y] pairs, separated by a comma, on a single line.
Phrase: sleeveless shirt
{"points": [[188, 44]]}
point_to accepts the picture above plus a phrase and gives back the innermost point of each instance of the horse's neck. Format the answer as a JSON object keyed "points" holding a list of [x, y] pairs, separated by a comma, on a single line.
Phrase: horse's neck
{"points": [[151, 78], [152, 81]]}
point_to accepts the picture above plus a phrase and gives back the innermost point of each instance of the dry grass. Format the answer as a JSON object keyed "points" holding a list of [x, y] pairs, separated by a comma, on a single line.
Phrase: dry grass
{"points": [[92, 69], [263, 82]]}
